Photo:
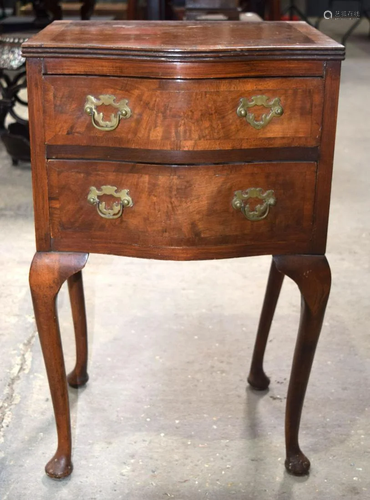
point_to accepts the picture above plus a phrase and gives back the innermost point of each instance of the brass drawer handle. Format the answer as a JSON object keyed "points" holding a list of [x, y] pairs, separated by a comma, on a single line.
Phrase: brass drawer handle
{"points": [[260, 211], [275, 106], [117, 207], [92, 103]]}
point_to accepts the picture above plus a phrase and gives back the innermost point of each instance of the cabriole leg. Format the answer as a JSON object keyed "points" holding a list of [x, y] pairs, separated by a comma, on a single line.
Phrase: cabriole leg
{"points": [[312, 275], [48, 272], [78, 376], [257, 377]]}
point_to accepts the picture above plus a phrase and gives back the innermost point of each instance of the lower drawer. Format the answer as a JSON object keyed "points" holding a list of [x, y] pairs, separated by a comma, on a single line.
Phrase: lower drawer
{"points": [[187, 212]]}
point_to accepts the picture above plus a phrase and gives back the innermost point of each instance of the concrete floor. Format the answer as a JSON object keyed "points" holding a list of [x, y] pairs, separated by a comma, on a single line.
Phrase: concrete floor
{"points": [[166, 414]]}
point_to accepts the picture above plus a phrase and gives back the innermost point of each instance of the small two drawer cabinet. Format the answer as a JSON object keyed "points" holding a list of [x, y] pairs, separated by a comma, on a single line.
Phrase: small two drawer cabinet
{"points": [[181, 141]]}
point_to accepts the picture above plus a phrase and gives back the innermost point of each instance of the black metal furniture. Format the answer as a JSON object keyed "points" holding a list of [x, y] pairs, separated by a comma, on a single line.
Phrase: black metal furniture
{"points": [[292, 8], [14, 136]]}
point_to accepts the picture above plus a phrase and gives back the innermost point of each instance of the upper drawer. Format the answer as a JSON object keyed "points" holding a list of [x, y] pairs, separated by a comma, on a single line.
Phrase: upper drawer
{"points": [[184, 115]]}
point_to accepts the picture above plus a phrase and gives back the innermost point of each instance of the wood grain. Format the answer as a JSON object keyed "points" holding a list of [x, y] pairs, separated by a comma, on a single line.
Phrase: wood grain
{"points": [[184, 207], [37, 139], [184, 115], [162, 156], [186, 70], [183, 41], [325, 170]]}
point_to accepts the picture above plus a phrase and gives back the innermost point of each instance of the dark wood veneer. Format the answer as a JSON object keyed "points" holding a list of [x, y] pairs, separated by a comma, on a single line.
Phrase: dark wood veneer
{"points": [[184, 115], [181, 207], [185, 70], [182, 155], [184, 40]]}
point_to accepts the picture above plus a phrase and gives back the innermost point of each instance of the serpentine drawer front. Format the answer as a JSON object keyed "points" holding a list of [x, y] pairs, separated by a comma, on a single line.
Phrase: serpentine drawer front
{"points": [[182, 141], [190, 115], [171, 207]]}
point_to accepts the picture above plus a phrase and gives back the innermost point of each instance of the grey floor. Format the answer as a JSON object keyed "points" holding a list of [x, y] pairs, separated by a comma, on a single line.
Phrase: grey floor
{"points": [[166, 413]]}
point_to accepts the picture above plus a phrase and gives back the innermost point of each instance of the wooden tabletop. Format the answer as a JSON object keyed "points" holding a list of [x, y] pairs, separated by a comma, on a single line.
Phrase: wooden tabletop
{"points": [[179, 39]]}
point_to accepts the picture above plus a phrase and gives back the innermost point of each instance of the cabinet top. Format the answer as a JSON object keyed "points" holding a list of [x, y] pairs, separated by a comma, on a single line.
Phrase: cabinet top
{"points": [[183, 40]]}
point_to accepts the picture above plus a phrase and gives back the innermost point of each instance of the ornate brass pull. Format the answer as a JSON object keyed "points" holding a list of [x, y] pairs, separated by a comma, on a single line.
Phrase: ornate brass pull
{"points": [[117, 207], [97, 118], [260, 211], [275, 106]]}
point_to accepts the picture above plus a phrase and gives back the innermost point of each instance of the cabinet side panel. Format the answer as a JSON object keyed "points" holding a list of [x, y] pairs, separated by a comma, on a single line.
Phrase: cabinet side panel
{"points": [[37, 138], [326, 156]]}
